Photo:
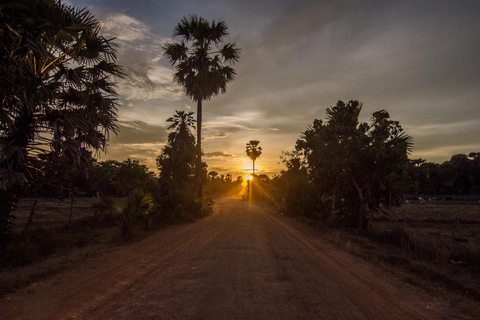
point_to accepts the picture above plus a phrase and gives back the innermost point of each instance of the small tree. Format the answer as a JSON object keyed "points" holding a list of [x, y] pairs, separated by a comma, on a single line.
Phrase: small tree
{"points": [[253, 151], [139, 204]]}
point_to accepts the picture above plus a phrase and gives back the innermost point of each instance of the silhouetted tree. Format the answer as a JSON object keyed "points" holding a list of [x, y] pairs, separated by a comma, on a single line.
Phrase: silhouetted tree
{"points": [[358, 162], [253, 151], [177, 160], [118, 179], [57, 91], [202, 66]]}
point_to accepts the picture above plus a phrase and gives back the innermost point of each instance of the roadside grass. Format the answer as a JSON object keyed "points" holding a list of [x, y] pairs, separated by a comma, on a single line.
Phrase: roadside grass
{"points": [[50, 246], [435, 246], [13, 278]]}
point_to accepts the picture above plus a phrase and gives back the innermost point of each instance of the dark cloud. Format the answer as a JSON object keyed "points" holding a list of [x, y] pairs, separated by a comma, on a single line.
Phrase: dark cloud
{"points": [[139, 132]]}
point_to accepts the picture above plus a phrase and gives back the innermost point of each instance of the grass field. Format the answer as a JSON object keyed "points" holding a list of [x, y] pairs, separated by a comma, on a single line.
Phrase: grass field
{"points": [[49, 245], [442, 231]]}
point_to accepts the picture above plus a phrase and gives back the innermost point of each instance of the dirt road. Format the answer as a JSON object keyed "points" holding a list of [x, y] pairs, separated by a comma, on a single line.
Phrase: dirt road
{"points": [[243, 262]]}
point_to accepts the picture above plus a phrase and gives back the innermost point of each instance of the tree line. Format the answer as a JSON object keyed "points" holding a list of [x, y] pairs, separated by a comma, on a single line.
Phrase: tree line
{"points": [[342, 170]]}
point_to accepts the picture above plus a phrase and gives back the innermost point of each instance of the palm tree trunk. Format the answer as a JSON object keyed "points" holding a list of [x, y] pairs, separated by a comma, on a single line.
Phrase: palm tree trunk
{"points": [[199, 149], [253, 167]]}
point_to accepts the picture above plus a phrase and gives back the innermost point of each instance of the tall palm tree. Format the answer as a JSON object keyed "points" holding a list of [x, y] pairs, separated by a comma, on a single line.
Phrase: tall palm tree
{"points": [[253, 151], [203, 68]]}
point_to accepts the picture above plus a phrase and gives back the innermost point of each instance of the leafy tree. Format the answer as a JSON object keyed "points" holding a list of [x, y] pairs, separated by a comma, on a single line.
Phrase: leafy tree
{"points": [[295, 192], [118, 179], [361, 163], [57, 92], [202, 66], [253, 151]]}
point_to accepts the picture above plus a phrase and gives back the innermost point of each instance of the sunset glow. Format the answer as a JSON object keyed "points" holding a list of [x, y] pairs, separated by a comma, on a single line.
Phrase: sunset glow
{"points": [[298, 58]]}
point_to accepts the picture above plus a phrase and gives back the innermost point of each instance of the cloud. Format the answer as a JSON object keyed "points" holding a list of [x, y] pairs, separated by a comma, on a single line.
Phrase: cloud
{"points": [[140, 53], [139, 132], [218, 154], [417, 60], [136, 140]]}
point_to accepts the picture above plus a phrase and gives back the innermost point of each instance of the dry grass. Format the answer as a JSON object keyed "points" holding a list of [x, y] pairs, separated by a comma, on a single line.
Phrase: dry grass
{"points": [[49, 246], [441, 232], [13, 278]]}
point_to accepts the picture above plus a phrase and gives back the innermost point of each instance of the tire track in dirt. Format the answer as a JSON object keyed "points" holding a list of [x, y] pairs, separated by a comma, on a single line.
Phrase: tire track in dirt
{"points": [[343, 275]]}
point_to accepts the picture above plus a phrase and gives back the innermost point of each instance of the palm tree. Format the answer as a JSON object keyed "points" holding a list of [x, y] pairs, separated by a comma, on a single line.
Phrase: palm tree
{"points": [[57, 92], [202, 66], [253, 151], [181, 121]]}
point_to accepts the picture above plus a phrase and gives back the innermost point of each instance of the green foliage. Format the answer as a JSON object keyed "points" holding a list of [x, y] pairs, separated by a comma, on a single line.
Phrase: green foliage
{"points": [[57, 92], [138, 205]]}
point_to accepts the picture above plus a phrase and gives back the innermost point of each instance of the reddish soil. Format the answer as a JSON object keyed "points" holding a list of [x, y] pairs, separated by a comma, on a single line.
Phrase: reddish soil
{"points": [[243, 262]]}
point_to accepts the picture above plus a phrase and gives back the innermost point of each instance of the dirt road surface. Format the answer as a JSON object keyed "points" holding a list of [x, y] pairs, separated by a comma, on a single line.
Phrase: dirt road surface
{"points": [[243, 262]]}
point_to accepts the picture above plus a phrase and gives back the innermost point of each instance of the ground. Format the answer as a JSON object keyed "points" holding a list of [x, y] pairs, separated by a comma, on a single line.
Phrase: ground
{"points": [[243, 262]]}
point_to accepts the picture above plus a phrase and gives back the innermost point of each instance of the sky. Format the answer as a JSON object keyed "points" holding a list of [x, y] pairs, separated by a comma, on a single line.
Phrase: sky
{"points": [[418, 59]]}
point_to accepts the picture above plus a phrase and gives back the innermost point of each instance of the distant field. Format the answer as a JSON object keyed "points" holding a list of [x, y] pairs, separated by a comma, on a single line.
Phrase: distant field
{"points": [[449, 227], [51, 213]]}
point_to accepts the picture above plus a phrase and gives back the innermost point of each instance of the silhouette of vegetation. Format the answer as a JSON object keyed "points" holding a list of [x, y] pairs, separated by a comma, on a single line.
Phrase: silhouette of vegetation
{"points": [[138, 205], [224, 185], [458, 176], [352, 166], [57, 91], [253, 151], [177, 169], [177, 160], [118, 179], [203, 67]]}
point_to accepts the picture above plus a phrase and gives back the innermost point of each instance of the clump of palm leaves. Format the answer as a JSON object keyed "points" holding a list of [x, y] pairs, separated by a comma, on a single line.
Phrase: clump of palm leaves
{"points": [[105, 205], [139, 204]]}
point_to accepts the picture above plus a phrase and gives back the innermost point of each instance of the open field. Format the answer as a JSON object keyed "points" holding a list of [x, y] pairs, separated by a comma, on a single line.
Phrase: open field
{"points": [[49, 245], [443, 231], [50, 213]]}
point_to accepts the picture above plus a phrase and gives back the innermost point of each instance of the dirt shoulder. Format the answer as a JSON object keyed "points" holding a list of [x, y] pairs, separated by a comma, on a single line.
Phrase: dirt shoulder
{"points": [[243, 262]]}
